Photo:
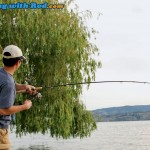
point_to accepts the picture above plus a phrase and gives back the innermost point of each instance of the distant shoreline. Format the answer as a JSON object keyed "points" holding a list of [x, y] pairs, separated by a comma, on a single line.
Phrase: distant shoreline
{"points": [[124, 113]]}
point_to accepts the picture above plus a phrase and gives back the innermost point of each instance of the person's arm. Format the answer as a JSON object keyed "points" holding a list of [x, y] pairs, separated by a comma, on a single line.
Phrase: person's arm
{"points": [[14, 109], [20, 87], [28, 88]]}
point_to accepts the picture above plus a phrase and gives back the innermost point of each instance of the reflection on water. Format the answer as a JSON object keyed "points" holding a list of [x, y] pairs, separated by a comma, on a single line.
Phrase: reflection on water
{"points": [[36, 147]]}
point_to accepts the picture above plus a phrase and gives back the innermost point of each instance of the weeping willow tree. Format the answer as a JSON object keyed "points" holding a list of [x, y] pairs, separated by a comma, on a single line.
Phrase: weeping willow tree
{"points": [[57, 45], [1, 61]]}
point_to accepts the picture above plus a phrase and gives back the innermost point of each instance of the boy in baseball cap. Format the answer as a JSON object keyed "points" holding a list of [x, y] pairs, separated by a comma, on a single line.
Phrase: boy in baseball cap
{"points": [[12, 58]]}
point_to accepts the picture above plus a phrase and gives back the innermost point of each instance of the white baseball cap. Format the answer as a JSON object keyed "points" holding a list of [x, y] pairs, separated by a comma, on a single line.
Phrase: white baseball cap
{"points": [[13, 51]]}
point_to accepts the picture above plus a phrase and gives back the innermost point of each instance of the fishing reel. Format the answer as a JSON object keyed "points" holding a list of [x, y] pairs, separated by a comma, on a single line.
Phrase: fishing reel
{"points": [[36, 96]]}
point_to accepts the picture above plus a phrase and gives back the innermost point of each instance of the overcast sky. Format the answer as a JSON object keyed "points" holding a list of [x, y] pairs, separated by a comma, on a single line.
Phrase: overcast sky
{"points": [[124, 43]]}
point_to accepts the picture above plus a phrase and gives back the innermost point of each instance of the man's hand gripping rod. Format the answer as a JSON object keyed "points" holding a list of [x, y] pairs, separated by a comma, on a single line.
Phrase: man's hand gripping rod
{"points": [[37, 95]]}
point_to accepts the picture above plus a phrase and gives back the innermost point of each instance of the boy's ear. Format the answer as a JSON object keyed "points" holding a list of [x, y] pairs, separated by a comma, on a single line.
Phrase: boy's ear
{"points": [[18, 62]]}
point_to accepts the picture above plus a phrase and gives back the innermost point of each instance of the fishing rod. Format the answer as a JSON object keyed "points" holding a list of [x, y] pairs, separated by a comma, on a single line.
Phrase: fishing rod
{"points": [[80, 83], [39, 95]]}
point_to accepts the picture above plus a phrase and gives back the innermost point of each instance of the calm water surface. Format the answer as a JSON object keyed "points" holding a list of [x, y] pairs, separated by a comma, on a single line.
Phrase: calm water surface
{"points": [[109, 136]]}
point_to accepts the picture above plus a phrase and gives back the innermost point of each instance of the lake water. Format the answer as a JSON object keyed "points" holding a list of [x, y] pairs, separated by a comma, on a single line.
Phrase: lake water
{"points": [[109, 136]]}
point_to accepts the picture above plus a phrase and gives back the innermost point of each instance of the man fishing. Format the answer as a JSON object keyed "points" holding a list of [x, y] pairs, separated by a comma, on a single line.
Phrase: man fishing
{"points": [[12, 58]]}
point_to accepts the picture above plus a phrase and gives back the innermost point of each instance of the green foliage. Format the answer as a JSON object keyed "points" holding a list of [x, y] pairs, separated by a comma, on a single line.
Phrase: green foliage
{"points": [[1, 64], [1, 61], [57, 45]]}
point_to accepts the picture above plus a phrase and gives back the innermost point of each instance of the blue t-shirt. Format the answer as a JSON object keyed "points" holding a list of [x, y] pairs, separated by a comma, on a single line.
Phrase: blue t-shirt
{"points": [[7, 95]]}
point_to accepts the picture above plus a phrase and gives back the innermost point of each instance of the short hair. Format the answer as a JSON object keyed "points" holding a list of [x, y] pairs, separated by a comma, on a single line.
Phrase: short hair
{"points": [[11, 61]]}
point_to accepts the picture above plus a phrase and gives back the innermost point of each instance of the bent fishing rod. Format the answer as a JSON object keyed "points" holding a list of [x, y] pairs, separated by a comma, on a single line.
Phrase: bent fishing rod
{"points": [[81, 83]]}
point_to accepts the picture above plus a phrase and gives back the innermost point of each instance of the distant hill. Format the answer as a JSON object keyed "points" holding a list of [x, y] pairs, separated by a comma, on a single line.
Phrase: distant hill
{"points": [[124, 113]]}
